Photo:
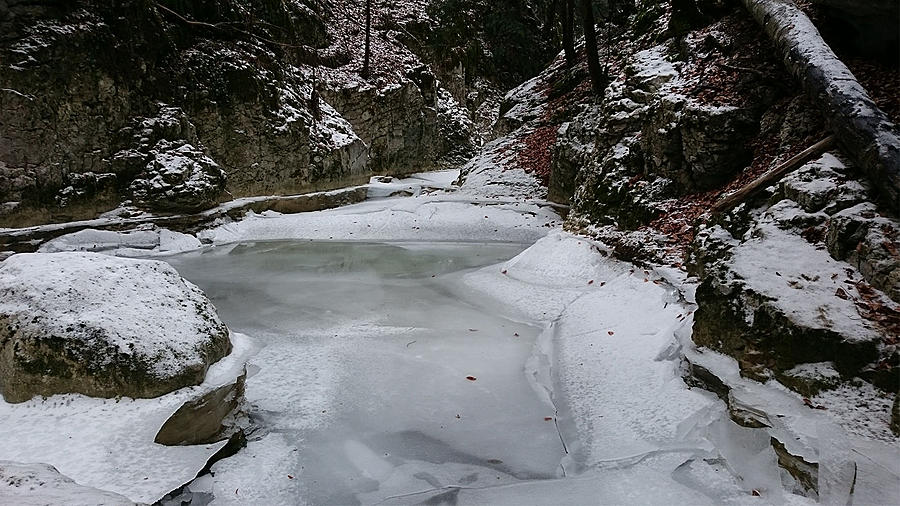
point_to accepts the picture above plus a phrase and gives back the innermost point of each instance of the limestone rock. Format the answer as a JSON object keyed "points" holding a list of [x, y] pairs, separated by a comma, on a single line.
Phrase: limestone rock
{"points": [[204, 420], [761, 302], [661, 139], [870, 242], [40, 484], [102, 326], [178, 177], [716, 142], [698, 146], [810, 379], [81, 100], [85, 186], [396, 123], [822, 185]]}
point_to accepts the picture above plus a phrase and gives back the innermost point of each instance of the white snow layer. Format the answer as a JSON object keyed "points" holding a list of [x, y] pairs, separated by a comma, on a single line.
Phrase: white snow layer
{"points": [[132, 243], [608, 360], [40, 484], [802, 282], [108, 444], [438, 217]]}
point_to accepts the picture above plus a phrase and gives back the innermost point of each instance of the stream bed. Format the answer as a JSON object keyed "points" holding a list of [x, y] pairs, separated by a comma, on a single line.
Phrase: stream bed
{"points": [[378, 379]]}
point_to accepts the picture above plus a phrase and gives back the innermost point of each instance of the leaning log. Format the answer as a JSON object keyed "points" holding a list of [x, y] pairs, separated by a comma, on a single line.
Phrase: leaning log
{"points": [[773, 175], [863, 131]]}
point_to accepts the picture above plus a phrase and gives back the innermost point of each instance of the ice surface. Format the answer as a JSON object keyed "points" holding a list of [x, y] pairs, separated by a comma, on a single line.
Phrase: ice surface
{"points": [[366, 367], [361, 392]]}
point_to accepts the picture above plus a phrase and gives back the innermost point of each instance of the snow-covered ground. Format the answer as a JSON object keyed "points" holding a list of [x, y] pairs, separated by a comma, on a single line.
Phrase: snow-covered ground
{"points": [[108, 444], [402, 372], [417, 349]]}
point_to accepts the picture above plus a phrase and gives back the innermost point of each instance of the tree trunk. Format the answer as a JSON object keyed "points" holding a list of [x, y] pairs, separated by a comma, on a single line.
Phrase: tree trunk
{"points": [[598, 80], [550, 20], [863, 131], [367, 54], [567, 18]]}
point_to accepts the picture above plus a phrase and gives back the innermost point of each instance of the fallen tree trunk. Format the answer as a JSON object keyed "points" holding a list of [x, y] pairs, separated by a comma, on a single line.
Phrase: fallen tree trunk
{"points": [[773, 175], [862, 130]]}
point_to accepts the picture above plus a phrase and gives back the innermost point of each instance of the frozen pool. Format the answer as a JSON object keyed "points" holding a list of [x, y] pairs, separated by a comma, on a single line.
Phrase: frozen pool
{"points": [[378, 377]]}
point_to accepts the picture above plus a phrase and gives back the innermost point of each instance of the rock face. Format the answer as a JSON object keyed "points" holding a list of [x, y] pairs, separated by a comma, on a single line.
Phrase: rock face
{"points": [[203, 420], [768, 315], [33, 484], [776, 299], [399, 124], [176, 107], [178, 178], [649, 141], [102, 326], [77, 99]]}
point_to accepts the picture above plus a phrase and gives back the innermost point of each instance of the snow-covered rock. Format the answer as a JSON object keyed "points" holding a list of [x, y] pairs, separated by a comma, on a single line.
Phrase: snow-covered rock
{"points": [[178, 177], [102, 326], [775, 301], [139, 242], [38, 484]]}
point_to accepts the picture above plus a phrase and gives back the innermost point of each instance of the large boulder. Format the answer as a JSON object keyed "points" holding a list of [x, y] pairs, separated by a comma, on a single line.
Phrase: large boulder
{"points": [[178, 177], [102, 326]]}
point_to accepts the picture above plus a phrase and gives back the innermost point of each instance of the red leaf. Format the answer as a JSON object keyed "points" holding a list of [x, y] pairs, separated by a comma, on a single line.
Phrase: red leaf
{"points": [[548, 418], [503, 271], [471, 378], [290, 477], [610, 332], [591, 282]]}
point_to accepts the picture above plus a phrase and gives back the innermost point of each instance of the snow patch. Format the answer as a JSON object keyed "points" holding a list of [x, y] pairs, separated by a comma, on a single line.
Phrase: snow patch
{"points": [[800, 280], [109, 443]]}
